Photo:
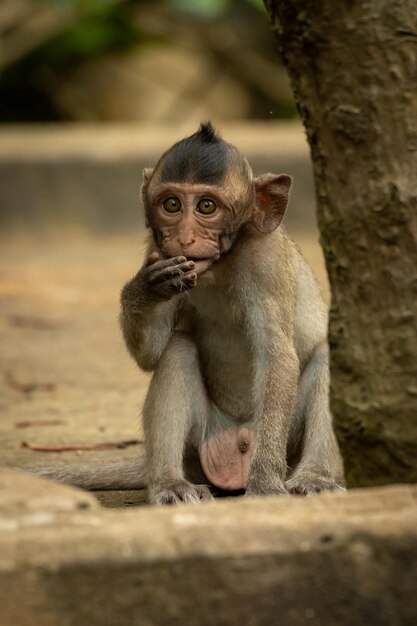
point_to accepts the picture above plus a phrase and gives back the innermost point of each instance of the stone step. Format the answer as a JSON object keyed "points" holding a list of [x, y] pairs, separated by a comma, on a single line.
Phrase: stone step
{"points": [[345, 559]]}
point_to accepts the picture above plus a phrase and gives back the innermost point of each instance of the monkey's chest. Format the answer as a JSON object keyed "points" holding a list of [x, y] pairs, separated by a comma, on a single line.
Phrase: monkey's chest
{"points": [[226, 367], [225, 358], [227, 374]]}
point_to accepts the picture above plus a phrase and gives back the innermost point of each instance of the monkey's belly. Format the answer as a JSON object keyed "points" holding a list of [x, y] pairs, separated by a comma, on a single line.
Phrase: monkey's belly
{"points": [[226, 457], [229, 382]]}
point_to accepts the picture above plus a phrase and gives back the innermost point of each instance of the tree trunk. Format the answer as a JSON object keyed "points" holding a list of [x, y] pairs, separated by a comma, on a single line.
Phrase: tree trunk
{"points": [[353, 67]]}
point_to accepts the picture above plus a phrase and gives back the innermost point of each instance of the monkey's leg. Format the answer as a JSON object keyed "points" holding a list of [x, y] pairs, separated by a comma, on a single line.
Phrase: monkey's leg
{"points": [[176, 408], [320, 467]]}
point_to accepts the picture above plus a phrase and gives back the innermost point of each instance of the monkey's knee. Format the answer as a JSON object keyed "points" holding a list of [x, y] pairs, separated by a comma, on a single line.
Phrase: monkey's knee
{"points": [[182, 343], [177, 394], [178, 372], [181, 354]]}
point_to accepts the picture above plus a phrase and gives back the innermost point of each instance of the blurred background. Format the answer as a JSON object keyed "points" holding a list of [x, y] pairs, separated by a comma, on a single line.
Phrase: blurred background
{"points": [[139, 60], [91, 92]]}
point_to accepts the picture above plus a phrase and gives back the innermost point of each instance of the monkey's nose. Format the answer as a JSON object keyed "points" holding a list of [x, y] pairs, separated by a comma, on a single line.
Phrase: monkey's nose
{"points": [[186, 240]]}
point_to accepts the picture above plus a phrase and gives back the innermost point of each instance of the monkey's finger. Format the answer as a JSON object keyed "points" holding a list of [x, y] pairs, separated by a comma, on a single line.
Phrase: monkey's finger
{"points": [[171, 271], [177, 285], [158, 266], [185, 281]]}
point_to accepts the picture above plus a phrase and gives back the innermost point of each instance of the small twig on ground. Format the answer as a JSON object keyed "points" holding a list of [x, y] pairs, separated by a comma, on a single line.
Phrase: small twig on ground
{"points": [[27, 387], [66, 447], [29, 423]]}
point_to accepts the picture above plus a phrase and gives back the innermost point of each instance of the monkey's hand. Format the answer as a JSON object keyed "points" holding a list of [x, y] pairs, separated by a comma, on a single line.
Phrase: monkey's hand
{"points": [[163, 279]]}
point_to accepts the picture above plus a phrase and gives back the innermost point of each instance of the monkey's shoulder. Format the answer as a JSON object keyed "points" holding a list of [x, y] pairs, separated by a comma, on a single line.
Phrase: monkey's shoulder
{"points": [[268, 263]]}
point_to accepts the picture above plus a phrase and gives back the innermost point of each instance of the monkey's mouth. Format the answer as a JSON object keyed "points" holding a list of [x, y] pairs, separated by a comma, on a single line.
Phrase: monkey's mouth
{"points": [[202, 263]]}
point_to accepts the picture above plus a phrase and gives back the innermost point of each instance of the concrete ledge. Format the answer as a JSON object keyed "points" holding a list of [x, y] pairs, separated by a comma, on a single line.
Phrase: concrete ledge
{"points": [[333, 559], [89, 176], [23, 495]]}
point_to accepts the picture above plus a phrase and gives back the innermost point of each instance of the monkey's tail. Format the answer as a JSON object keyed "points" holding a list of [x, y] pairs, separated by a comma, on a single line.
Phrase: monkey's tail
{"points": [[110, 475]]}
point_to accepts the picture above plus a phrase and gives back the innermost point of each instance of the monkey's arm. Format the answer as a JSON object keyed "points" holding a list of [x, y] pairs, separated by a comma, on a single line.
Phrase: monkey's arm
{"points": [[149, 307], [147, 327]]}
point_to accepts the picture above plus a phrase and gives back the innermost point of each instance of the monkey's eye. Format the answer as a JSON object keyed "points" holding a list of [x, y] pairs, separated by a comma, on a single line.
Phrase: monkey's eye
{"points": [[206, 207], [172, 205]]}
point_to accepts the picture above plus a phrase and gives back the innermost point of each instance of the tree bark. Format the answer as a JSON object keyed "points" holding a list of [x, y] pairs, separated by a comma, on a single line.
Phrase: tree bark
{"points": [[353, 67]]}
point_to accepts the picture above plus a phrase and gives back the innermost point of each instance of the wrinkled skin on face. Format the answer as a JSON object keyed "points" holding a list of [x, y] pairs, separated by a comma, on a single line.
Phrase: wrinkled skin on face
{"points": [[201, 221], [193, 220], [202, 193]]}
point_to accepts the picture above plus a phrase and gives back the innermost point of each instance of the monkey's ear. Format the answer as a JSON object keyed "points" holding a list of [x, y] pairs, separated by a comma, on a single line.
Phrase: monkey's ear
{"points": [[147, 174], [272, 193]]}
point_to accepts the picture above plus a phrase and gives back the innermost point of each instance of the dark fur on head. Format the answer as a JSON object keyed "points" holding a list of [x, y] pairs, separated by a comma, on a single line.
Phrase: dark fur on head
{"points": [[200, 158], [204, 158]]}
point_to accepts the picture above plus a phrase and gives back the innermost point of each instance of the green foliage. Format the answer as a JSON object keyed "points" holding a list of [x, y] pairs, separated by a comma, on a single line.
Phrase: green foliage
{"points": [[90, 28], [211, 8], [84, 30], [98, 26]]}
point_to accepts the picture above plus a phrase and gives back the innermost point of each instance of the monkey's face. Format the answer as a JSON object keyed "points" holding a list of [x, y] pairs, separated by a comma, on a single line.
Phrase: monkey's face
{"points": [[202, 192], [194, 220]]}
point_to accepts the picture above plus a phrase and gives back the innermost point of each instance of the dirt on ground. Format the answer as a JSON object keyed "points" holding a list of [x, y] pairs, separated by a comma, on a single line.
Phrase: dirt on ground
{"points": [[65, 375]]}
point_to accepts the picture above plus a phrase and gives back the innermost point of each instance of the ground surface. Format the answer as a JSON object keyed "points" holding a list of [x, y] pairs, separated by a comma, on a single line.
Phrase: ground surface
{"points": [[62, 357]]}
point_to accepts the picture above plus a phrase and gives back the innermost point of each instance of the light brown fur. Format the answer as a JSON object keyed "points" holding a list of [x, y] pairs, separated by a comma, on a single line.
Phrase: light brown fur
{"points": [[257, 323], [236, 340]]}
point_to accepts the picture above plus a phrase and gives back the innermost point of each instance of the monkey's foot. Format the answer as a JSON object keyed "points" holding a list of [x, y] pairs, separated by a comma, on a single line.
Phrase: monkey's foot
{"points": [[179, 493], [308, 484]]}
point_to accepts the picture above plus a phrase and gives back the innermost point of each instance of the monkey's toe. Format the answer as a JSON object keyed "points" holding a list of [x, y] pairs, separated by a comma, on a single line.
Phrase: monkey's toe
{"points": [[180, 493], [311, 484]]}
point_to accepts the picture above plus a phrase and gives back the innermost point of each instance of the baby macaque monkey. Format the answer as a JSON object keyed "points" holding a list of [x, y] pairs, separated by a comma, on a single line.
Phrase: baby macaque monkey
{"points": [[226, 314]]}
